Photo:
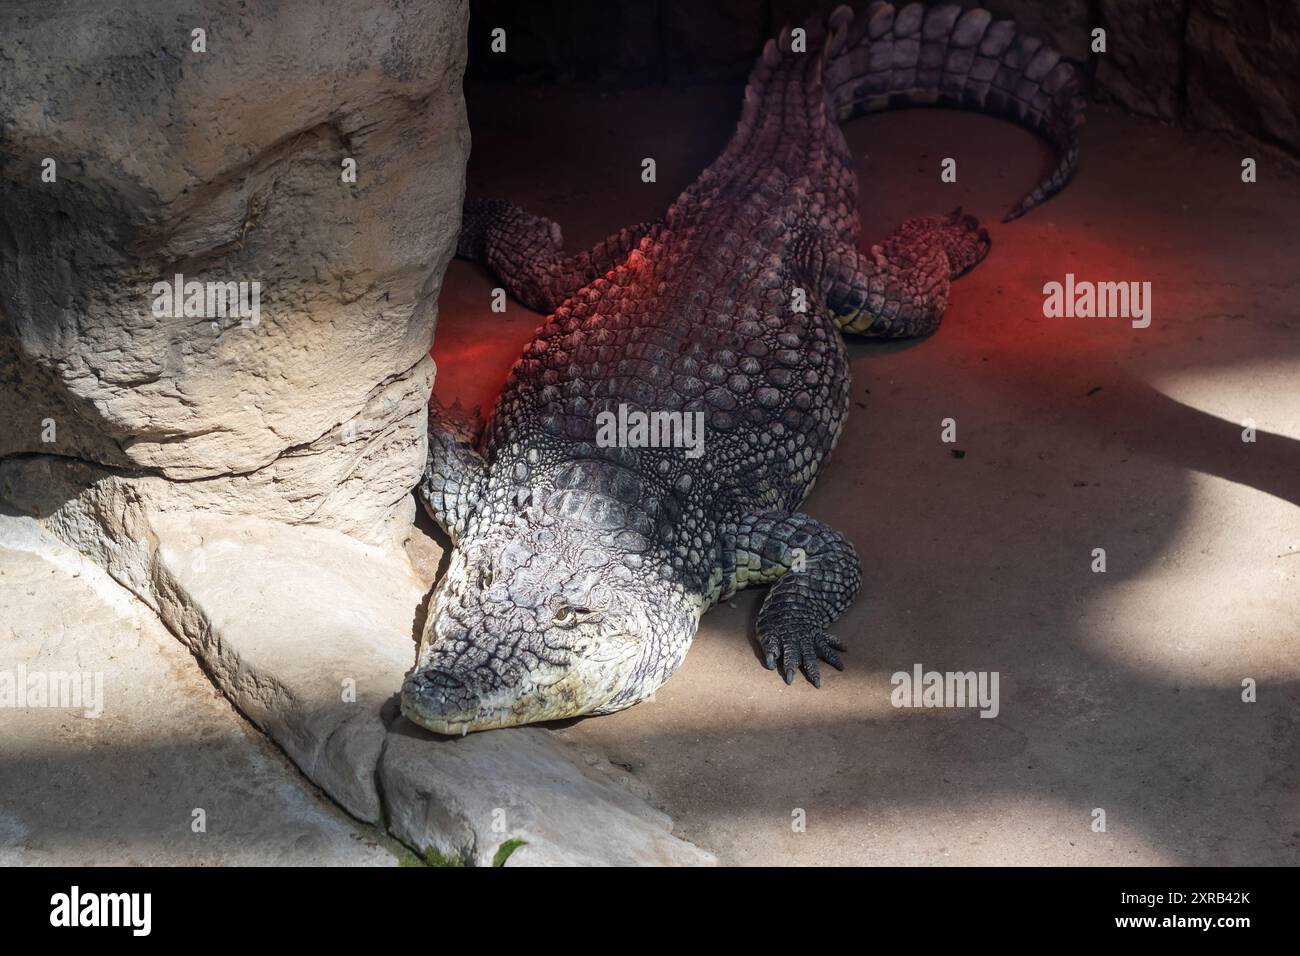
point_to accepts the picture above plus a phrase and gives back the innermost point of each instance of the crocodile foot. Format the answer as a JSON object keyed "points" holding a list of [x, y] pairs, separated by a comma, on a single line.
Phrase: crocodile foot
{"points": [[801, 650]]}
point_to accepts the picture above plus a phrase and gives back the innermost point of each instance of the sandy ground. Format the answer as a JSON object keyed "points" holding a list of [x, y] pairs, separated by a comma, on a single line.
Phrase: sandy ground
{"points": [[165, 772], [1119, 691]]}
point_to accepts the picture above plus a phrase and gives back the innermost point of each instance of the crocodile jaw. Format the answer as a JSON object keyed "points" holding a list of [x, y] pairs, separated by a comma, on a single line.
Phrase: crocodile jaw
{"points": [[538, 620], [551, 694]]}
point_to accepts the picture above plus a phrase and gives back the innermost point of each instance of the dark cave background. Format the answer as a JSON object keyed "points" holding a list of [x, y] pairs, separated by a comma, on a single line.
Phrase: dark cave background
{"points": [[1227, 65]]}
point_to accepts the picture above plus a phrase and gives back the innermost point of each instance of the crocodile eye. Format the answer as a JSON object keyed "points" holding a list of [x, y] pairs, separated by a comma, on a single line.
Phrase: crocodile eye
{"points": [[484, 578], [567, 614]]}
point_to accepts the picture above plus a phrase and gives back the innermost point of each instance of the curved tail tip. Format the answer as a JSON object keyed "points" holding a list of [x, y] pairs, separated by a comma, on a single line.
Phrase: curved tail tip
{"points": [[1021, 208], [1025, 205]]}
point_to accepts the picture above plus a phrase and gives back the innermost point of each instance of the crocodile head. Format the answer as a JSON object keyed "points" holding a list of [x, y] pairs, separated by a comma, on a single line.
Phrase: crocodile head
{"points": [[532, 624]]}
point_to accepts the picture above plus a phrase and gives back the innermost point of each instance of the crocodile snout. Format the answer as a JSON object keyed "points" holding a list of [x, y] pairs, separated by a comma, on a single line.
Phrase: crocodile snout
{"points": [[440, 701]]}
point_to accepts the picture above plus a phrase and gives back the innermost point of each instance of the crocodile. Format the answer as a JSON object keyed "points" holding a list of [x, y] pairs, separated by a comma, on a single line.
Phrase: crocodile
{"points": [[581, 567]]}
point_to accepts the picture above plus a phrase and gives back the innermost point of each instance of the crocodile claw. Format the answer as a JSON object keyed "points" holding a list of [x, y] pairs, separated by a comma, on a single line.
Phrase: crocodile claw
{"points": [[801, 651]]}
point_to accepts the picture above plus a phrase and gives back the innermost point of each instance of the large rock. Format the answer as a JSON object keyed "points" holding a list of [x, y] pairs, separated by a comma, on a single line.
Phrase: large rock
{"points": [[113, 772], [309, 632], [465, 798], [226, 165], [1243, 68], [1142, 68]]}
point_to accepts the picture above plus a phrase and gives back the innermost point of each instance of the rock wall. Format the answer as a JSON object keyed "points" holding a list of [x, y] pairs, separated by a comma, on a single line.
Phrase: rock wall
{"points": [[1243, 68], [1230, 65], [213, 140]]}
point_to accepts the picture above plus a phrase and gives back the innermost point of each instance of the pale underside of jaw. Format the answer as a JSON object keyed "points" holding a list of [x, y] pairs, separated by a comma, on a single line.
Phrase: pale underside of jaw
{"points": [[509, 711]]}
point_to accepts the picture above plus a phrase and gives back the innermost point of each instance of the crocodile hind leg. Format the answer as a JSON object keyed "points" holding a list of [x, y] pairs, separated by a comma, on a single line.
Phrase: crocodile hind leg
{"points": [[814, 573], [455, 472], [526, 252], [900, 289]]}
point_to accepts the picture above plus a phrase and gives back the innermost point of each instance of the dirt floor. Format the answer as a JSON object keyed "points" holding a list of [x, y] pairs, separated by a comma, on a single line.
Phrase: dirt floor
{"points": [[1119, 691]]}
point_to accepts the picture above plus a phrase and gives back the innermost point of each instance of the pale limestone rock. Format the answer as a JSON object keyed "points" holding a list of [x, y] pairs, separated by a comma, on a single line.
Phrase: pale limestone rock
{"points": [[225, 165], [309, 632], [465, 797], [120, 786]]}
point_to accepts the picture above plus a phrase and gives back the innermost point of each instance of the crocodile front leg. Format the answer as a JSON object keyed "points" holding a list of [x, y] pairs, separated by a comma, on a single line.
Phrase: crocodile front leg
{"points": [[455, 474], [900, 289], [815, 575], [526, 252]]}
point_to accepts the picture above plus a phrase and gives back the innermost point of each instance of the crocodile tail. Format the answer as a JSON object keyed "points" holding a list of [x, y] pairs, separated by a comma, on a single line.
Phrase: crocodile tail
{"points": [[481, 218], [881, 58]]}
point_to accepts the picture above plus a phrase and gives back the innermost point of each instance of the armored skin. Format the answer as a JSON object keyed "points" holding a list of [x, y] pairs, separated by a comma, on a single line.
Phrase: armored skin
{"points": [[581, 567]]}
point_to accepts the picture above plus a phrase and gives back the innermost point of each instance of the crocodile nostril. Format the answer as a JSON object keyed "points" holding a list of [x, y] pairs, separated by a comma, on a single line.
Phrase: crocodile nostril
{"points": [[439, 693]]}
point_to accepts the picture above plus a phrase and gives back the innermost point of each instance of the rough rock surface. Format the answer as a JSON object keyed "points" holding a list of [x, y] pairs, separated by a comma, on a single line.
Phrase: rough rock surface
{"points": [[1142, 68], [227, 164], [465, 797], [1243, 68], [1228, 66], [118, 783], [310, 632]]}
